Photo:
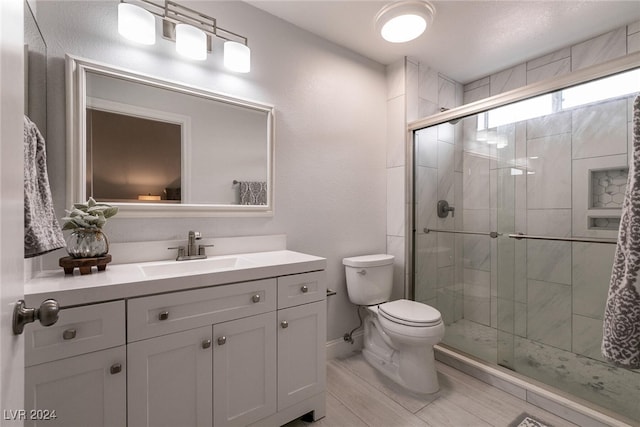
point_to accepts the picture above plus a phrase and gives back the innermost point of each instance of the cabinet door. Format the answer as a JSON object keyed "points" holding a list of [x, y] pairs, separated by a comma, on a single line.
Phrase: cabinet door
{"points": [[169, 381], [301, 352], [86, 390], [244, 370]]}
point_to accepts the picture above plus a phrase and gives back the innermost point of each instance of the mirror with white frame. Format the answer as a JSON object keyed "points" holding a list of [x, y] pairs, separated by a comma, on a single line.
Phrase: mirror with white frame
{"points": [[158, 148]]}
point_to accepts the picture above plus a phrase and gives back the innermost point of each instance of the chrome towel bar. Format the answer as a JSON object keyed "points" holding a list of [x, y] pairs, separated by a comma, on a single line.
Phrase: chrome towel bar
{"points": [[520, 236], [492, 234]]}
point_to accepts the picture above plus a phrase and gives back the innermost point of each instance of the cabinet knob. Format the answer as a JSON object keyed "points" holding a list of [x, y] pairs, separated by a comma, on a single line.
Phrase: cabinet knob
{"points": [[164, 315], [115, 368], [256, 298], [69, 334], [206, 344], [304, 289], [284, 324], [222, 340]]}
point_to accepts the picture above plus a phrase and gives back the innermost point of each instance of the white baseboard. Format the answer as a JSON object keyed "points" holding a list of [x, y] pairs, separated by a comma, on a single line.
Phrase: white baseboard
{"points": [[339, 348]]}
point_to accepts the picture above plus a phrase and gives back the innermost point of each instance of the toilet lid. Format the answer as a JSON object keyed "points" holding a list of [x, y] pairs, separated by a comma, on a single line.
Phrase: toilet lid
{"points": [[368, 260], [410, 313]]}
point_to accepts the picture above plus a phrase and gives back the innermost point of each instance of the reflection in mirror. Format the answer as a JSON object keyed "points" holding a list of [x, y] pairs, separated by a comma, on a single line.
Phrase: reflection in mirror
{"points": [[158, 148], [132, 158], [35, 69]]}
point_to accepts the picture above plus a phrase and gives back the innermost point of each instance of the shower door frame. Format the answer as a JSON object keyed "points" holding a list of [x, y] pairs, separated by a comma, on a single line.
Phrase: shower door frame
{"points": [[543, 87]]}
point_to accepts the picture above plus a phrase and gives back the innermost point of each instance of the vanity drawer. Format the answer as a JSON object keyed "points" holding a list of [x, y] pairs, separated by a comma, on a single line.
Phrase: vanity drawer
{"points": [[167, 313], [301, 288], [78, 330]]}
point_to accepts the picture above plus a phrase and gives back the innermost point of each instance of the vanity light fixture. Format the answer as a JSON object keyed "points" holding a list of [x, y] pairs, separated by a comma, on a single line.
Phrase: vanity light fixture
{"points": [[403, 21], [191, 42], [136, 24], [237, 57], [192, 31]]}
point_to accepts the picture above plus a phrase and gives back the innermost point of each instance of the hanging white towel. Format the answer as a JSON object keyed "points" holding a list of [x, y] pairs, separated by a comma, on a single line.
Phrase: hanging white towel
{"points": [[253, 193], [42, 231], [621, 331]]}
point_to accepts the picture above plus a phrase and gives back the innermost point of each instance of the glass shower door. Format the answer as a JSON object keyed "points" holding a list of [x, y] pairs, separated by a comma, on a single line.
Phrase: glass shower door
{"points": [[453, 248], [552, 168]]}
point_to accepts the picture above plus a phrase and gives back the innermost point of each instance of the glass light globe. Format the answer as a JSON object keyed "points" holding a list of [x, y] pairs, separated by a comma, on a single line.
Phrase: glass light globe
{"points": [[404, 20], [136, 24], [191, 42], [403, 28], [237, 57]]}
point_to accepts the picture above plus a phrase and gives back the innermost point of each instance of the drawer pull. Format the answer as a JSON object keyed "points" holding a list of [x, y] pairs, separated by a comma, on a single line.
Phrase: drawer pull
{"points": [[284, 324], [304, 289], [115, 368], [206, 344], [256, 298], [69, 334], [222, 340], [164, 315]]}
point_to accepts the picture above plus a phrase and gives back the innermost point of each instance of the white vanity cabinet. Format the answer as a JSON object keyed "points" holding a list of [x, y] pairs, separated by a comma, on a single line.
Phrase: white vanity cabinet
{"points": [[301, 340], [302, 323], [208, 349], [76, 369], [301, 353], [231, 355], [174, 375], [244, 370], [169, 380]]}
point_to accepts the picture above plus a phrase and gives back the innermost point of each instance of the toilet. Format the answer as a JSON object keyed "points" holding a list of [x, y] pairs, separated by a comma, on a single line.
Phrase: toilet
{"points": [[399, 335]]}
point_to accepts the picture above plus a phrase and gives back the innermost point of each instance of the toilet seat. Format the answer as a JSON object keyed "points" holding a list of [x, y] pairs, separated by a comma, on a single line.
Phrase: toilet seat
{"points": [[410, 313]]}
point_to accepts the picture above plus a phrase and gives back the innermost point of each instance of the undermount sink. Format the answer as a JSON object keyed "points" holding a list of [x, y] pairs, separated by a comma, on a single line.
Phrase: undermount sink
{"points": [[194, 266]]}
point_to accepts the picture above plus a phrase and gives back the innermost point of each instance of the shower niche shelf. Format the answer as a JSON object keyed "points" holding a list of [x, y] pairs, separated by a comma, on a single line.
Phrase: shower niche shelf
{"points": [[607, 190], [611, 223]]}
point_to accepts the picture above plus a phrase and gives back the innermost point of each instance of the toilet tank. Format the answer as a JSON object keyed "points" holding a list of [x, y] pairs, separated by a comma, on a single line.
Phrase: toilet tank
{"points": [[369, 278]]}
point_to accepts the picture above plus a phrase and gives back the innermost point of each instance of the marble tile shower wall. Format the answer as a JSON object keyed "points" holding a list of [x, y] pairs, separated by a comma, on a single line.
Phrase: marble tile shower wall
{"points": [[415, 91], [560, 288], [460, 274], [438, 166]]}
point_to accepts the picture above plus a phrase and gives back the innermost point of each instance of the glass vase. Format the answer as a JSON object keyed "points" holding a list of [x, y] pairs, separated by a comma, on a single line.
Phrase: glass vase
{"points": [[87, 243]]}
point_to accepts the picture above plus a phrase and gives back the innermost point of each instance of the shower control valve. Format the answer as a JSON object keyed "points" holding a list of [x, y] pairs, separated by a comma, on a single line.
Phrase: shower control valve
{"points": [[444, 209]]}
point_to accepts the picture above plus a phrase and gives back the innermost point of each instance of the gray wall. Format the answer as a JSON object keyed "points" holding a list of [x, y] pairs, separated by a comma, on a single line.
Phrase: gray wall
{"points": [[330, 173]]}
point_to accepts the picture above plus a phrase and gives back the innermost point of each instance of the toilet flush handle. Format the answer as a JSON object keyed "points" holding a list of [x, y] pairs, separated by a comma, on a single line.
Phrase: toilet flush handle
{"points": [[362, 272]]}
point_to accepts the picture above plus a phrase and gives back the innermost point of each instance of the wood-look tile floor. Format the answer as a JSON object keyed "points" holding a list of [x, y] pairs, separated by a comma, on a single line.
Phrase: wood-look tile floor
{"points": [[357, 395]]}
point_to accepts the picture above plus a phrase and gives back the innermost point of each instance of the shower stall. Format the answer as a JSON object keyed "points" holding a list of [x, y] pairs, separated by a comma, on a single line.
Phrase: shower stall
{"points": [[516, 207]]}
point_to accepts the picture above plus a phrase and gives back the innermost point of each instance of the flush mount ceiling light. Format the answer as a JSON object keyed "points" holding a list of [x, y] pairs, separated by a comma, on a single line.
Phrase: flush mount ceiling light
{"points": [[192, 31], [403, 21]]}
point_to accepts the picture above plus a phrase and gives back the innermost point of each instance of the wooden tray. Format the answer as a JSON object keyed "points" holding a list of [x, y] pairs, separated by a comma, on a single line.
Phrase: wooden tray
{"points": [[84, 264]]}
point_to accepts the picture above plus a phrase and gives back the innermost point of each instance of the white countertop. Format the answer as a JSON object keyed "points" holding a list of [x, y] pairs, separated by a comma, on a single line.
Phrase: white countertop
{"points": [[129, 280]]}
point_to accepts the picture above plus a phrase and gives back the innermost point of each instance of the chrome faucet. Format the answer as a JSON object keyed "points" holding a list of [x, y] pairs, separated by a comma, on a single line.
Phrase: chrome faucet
{"points": [[192, 251]]}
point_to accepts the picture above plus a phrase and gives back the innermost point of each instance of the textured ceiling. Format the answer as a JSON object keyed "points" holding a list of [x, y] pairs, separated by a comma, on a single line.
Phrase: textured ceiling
{"points": [[468, 39]]}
